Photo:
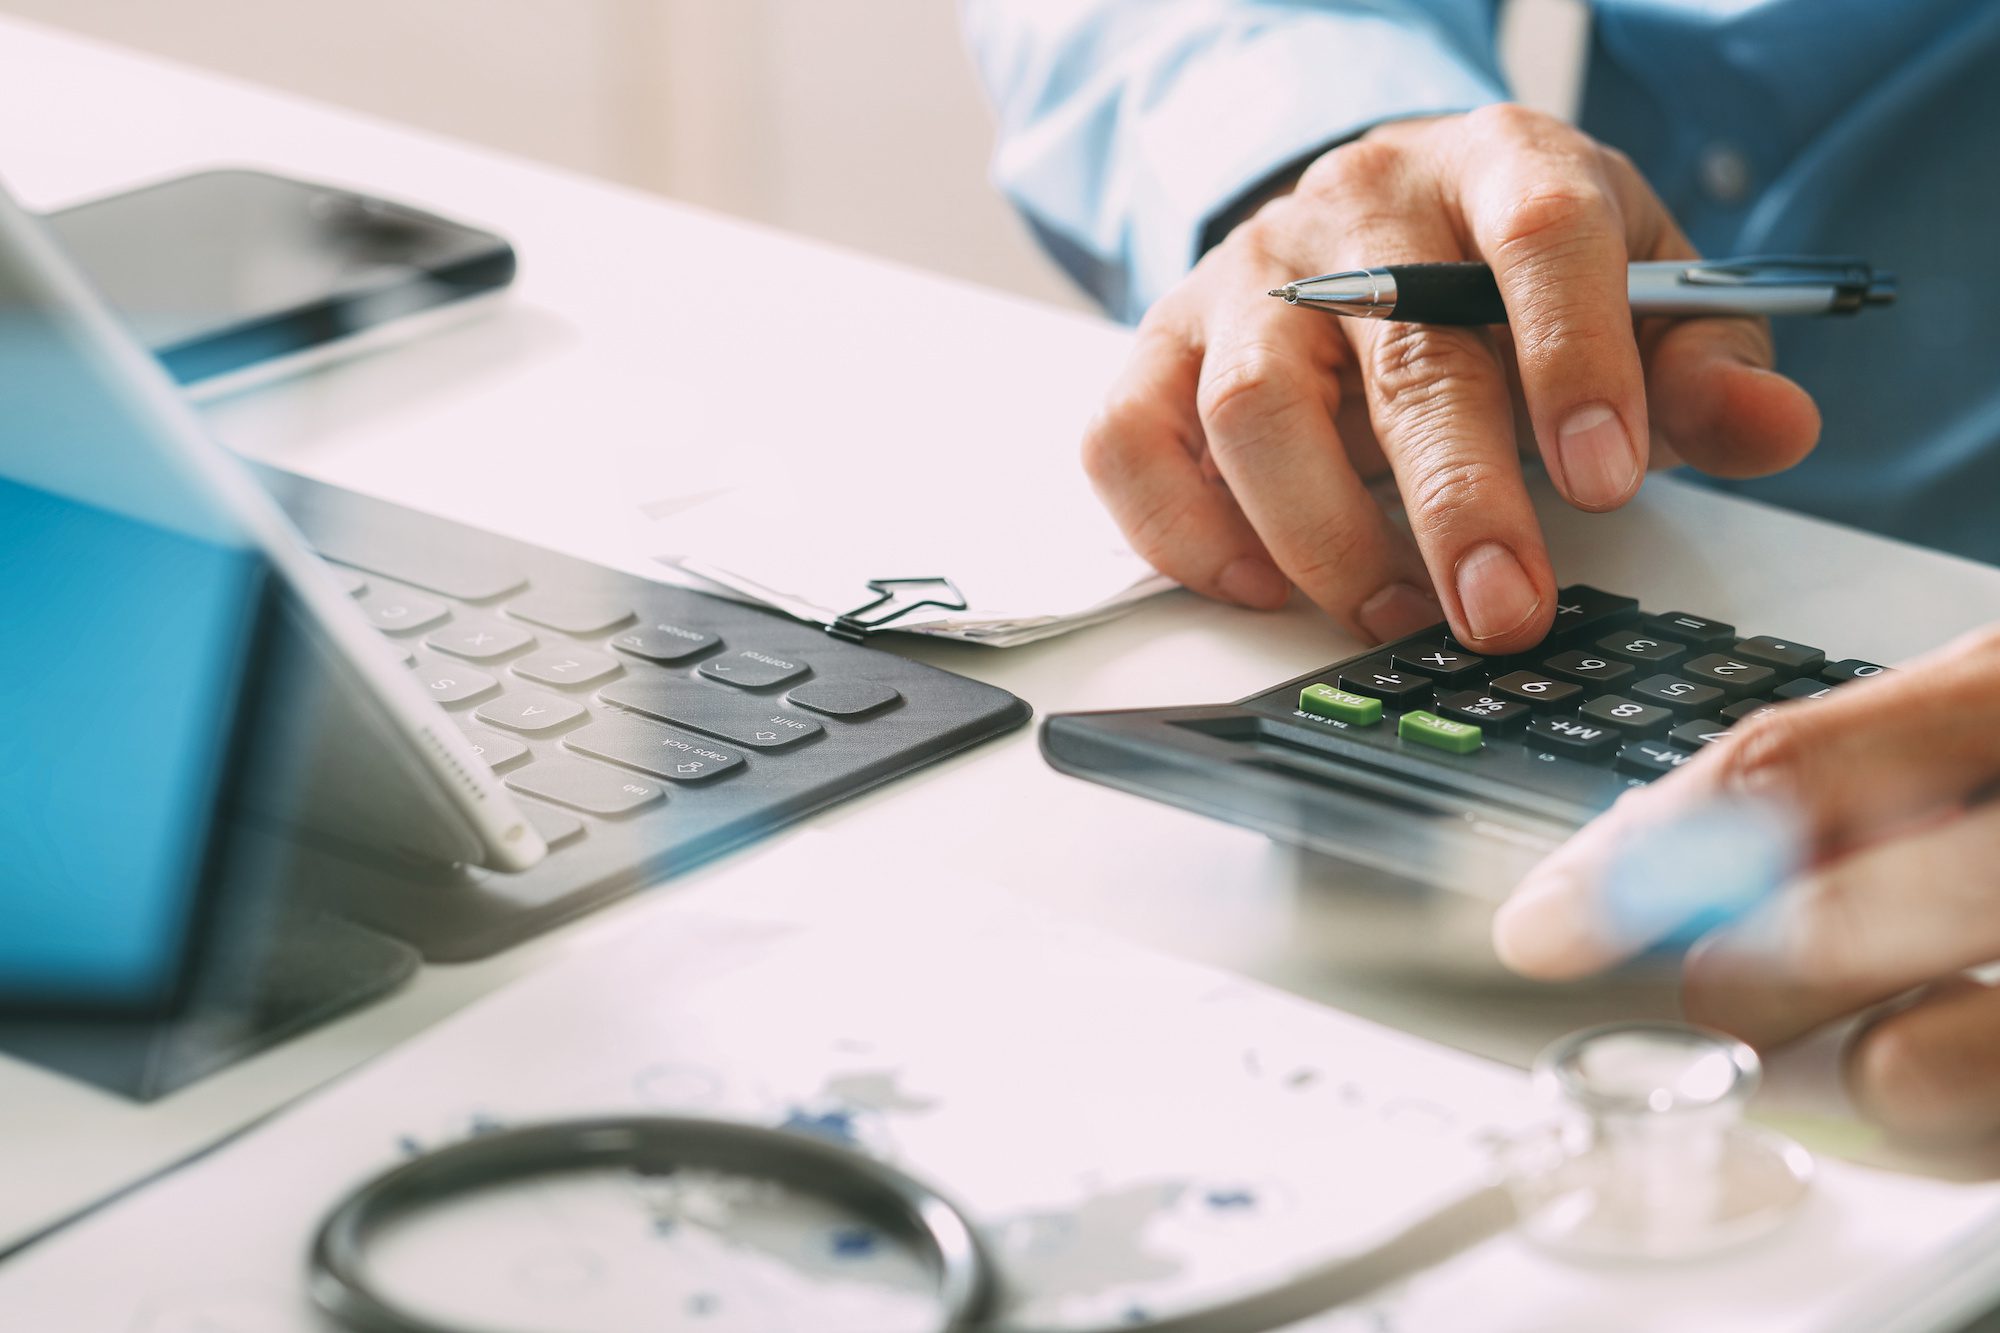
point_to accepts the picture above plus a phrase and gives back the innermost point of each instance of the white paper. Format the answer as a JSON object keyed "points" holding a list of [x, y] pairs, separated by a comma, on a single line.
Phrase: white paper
{"points": [[1031, 550], [1134, 1134]]}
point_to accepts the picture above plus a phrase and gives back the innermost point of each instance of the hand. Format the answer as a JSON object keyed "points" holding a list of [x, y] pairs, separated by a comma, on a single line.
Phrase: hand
{"points": [[1899, 895], [1235, 448]]}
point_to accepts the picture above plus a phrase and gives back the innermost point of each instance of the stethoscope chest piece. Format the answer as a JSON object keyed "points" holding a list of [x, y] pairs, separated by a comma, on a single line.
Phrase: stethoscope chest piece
{"points": [[1649, 1156]]}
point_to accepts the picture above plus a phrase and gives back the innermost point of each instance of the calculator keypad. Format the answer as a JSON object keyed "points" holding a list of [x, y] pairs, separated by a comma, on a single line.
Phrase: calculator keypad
{"points": [[1632, 695]]}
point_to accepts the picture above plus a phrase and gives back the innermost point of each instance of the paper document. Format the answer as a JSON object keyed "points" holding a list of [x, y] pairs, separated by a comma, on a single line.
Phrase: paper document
{"points": [[1030, 549], [1134, 1135]]}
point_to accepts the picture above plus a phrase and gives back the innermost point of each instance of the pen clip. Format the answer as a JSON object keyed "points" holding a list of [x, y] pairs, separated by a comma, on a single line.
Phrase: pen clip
{"points": [[1780, 271], [900, 596]]}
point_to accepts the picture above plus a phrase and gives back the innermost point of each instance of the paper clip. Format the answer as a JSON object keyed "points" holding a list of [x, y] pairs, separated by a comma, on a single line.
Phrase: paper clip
{"points": [[899, 596]]}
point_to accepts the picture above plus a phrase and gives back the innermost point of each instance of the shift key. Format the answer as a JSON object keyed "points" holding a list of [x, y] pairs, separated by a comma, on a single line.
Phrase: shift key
{"points": [[651, 748], [733, 717]]}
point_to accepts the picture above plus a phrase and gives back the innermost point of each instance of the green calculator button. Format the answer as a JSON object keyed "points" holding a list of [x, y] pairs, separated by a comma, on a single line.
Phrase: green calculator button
{"points": [[1442, 732], [1357, 710]]}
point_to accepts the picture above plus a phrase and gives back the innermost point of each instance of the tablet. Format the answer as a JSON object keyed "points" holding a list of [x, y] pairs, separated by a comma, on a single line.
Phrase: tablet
{"points": [[174, 662]]}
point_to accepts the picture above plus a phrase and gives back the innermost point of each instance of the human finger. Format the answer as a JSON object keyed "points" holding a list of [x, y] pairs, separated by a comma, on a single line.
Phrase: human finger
{"points": [[1268, 397], [1718, 402], [1441, 408], [1930, 1070], [1143, 455], [1539, 208], [1855, 932]]}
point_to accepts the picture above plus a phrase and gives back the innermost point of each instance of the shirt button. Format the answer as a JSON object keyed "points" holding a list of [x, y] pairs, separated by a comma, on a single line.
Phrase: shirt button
{"points": [[1725, 173]]}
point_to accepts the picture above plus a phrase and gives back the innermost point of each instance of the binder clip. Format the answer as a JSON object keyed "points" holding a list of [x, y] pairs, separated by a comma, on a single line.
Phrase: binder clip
{"points": [[895, 598]]}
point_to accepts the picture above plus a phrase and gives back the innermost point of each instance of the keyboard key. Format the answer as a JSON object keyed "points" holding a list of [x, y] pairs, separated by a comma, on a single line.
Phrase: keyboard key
{"points": [[453, 684], [439, 567], [1440, 733], [1682, 696], [682, 702], [1697, 630], [1380, 678], [1490, 713], [532, 711], [752, 670], [1694, 735], [843, 698], [1627, 715], [1357, 710], [556, 826], [1539, 691], [1568, 736], [566, 666], [1852, 668], [1581, 608], [1735, 677], [496, 749], [595, 789], [665, 644], [1438, 662], [1790, 659], [1745, 709], [1803, 689], [675, 755], [570, 613], [350, 582], [479, 640], [1651, 759], [395, 612], [1643, 648], [1587, 668]]}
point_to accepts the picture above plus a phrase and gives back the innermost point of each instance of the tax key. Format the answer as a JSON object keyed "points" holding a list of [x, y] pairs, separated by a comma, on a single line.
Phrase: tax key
{"points": [[1357, 710], [1439, 732]]}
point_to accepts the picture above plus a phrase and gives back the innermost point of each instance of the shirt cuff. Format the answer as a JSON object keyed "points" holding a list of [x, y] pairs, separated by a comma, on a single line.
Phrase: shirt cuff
{"points": [[1244, 109]]}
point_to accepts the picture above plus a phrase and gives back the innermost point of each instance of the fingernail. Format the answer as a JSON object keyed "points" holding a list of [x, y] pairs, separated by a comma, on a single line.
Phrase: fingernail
{"points": [[1254, 583], [1599, 464], [1544, 929], [1398, 610], [1495, 591]]}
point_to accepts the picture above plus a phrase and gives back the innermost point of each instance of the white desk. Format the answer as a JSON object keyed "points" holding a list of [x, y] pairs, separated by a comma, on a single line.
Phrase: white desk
{"points": [[629, 366]]}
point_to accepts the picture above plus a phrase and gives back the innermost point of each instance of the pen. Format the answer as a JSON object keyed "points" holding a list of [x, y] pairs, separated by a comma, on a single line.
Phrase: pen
{"points": [[1465, 293]]}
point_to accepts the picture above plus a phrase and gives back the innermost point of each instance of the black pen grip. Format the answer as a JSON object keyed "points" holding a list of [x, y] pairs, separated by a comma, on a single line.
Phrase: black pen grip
{"points": [[1447, 294]]}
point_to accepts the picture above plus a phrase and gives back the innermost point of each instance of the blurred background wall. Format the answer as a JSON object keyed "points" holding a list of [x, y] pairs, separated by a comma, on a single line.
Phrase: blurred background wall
{"points": [[857, 121]]}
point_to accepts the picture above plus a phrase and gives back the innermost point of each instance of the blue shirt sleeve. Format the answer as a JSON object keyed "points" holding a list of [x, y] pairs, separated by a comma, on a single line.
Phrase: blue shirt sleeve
{"points": [[1126, 125]]}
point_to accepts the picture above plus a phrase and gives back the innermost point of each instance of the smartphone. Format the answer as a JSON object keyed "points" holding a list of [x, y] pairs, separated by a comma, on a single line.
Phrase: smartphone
{"points": [[234, 277]]}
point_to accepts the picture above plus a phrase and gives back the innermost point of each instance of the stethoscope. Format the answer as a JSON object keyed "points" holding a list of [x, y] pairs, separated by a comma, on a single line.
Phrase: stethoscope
{"points": [[1647, 1156]]}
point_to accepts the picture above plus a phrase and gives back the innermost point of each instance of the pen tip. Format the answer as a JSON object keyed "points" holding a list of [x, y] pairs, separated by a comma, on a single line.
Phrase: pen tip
{"points": [[1284, 293]]}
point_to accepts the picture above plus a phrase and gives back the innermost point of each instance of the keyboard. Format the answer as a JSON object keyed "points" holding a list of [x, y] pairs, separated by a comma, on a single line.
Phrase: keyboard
{"points": [[1428, 760], [642, 728]]}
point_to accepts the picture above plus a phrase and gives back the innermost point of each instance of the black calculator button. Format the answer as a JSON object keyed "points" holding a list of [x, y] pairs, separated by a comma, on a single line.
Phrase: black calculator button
{"points": [[1580, 608], [1652, 759], [1572, 737], [1538, 690], [1682, 696], [1852, 668], [1437, 662], [1697, 630], [1802, 689], [1380, 678], [1627, 715], [1781, 655], [1745, 709], [1700, 732], [1587, 668], [1645, 649], [1489, 712], [1736, 677]]}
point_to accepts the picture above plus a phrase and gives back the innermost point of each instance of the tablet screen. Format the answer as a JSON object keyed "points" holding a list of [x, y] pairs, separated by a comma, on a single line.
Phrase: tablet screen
{"points": [[130, 603]]}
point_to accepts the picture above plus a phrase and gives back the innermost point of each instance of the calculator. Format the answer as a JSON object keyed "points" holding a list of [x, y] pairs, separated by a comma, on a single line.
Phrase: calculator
{"points": [[1428, 760]]}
